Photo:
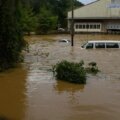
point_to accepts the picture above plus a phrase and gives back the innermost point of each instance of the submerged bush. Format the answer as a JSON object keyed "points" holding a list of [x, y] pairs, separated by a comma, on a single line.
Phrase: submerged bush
{"points": [[70, 71], [92, 68], [73, 72]]}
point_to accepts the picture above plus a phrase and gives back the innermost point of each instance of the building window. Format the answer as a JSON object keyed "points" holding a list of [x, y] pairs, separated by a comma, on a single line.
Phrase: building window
{"points": [[83, 26], [115, 1], [112, 1], [80, 26], [98, 26], [91, 26], [95, 26], [77, 26], [87, 26]]}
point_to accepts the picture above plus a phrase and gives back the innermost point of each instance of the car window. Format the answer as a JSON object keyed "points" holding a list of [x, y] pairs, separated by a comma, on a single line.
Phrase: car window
{"points": [[99, 45], [112, 45], [83, 46], [89, 45]]}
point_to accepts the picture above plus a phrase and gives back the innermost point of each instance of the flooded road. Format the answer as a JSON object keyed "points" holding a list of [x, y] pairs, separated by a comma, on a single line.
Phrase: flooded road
{"points": [[30, 92]]}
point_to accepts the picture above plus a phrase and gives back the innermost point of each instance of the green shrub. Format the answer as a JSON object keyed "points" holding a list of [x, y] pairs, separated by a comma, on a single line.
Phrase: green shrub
{"points": [[70, 71], [92, 68], [74, 72]]}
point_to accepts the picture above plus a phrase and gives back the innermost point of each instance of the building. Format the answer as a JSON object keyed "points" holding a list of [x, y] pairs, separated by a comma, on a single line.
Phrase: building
{"points": [[98, 16]]}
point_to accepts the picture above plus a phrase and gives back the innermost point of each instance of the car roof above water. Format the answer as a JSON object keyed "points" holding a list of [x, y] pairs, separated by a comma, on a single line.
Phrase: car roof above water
{"points": [[104, 41], [102, 44]]}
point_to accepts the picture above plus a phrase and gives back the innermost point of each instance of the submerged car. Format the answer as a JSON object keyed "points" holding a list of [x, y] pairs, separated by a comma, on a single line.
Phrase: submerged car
{"points": [[61, 30], [64, 40], [101, 44]]}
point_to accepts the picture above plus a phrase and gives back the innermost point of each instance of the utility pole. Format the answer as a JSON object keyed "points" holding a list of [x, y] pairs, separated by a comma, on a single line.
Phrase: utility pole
{"points": [[72, 24]]}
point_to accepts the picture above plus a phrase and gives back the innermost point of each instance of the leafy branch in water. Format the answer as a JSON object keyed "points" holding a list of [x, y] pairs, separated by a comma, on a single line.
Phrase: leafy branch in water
{"points": [[92, 68], [73, 72]]}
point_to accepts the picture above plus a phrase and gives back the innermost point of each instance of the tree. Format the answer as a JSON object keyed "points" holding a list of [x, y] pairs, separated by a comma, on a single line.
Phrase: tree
{"points": [[11, 39], [46, 21], [28, 20], [59, 8]]}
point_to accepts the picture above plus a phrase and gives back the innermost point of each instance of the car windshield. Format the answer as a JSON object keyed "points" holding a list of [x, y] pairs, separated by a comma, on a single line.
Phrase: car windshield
{"points": [[84, 45]]}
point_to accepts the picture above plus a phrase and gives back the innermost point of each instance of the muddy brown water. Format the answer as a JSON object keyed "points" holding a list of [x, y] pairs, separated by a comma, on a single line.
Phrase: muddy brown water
{"points": [[30, 91]]}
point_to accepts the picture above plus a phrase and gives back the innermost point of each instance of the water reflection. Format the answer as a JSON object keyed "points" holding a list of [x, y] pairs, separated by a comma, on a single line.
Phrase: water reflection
{"points": [[62, 86], [12, 93], [69, 89]]}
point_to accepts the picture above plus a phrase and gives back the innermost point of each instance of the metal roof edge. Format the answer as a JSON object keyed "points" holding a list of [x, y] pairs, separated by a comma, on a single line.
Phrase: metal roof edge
{"points": [[93, 18], [85, 5]]}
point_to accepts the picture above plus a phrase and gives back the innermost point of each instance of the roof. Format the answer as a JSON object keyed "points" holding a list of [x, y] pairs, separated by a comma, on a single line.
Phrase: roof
{"points": [[91, 3], [99, 9]]}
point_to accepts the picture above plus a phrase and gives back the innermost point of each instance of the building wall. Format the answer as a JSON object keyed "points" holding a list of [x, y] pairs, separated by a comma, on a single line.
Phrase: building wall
{"points": [[98, 9], [96, 16]]}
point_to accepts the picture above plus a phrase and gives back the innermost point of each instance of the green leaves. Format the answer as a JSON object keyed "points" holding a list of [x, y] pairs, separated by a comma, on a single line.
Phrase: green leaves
{"points": [[58, 8], [11, 39], [92, 68], [46, 21], [70, 71], [74, 72], [28, 21]]}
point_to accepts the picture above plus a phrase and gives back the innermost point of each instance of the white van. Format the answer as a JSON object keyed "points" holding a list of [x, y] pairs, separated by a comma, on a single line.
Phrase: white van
{"points": [[101, 44]]}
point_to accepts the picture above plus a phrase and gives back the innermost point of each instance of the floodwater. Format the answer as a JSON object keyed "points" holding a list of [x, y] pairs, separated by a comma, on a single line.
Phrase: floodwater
{"points": [[30, 91]]}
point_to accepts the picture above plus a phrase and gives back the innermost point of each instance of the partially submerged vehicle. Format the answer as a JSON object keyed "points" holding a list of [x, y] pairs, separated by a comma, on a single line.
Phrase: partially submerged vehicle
{"points": [[64, 40], [101, 44], [61, 30]]}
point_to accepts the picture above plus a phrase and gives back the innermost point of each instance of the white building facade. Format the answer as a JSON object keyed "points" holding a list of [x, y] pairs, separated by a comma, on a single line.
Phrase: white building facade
{"points": [[98, 16]]}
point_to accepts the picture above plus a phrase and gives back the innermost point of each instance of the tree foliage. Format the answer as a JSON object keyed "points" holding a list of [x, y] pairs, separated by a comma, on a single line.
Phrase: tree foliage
{"points": [[11, 39], [28, 20], [46, 21], [18, 16], [59, 8]]}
